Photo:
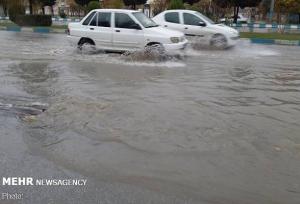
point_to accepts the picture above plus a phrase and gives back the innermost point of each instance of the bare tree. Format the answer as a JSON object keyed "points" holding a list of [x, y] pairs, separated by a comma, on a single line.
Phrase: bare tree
{"points": [[4, 4], [159, 5]]}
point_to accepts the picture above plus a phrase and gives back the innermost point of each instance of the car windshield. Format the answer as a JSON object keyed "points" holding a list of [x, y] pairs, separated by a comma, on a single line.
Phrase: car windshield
{"points": [[205, 18], [144, 20]]}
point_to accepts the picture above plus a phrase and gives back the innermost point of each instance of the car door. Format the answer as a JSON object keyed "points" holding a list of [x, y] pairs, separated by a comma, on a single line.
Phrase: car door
{"points": [[195, 27], [101, 30], [127, 34], [86, 30], [172, 21]]}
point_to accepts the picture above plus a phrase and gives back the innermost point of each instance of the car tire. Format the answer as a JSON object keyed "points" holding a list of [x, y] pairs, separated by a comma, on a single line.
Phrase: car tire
{"points": [[218, 41], [86, 42], [155, 49]]}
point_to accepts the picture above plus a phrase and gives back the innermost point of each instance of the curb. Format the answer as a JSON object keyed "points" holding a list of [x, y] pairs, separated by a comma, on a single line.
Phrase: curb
{"points": [[275, 41], [263, 26], [32, 30], [13, 28]]}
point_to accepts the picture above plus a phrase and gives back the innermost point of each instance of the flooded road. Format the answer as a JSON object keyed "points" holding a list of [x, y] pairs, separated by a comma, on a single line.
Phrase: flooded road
{"points": [[218, 127]]}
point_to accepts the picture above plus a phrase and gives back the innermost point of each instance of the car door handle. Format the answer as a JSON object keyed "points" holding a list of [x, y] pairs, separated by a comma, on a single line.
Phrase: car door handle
{"points": [[118, 31], [166, 26], [92, 28], [186, 28]]}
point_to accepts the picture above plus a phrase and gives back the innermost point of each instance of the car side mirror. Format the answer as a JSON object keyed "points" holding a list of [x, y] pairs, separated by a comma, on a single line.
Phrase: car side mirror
{"points": [[202, 24], [136, 26]]}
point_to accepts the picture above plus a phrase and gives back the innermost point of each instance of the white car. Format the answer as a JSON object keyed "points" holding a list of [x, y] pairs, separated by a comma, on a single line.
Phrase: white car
{"points": [[240, 19], [124, 30], [195, 25]]}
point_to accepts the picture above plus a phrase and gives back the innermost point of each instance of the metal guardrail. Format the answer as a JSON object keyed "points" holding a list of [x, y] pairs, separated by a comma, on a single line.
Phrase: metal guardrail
{"points": [[66, 19]]}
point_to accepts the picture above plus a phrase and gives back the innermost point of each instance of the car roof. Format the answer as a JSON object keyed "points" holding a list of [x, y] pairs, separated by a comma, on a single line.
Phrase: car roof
{"points": [[181, 10], [117, 10]]}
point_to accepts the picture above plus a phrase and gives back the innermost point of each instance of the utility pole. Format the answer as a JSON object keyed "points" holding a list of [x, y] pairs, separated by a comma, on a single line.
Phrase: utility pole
{"points": [[272, 9]]}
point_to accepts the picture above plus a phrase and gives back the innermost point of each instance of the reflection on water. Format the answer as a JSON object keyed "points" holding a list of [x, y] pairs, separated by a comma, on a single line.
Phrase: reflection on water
{"points": [[219, 126]]}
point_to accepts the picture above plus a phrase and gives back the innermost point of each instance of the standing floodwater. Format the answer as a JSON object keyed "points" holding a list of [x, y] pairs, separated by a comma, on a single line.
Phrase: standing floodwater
{"points": [[210, 127]]}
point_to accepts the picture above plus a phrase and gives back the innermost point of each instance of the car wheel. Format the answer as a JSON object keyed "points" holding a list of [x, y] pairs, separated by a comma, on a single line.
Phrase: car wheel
{"points": [[218, 41], [86, 43], [155, 49]]}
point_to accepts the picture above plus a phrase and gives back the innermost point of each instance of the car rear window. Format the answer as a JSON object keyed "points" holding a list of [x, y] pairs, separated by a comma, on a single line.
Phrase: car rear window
{"points": [[89, 18], [104, 19], [172, 17]]}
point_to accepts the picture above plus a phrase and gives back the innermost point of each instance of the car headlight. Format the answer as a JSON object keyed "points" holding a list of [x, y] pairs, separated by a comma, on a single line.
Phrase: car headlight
{"points": [[175, 40]]}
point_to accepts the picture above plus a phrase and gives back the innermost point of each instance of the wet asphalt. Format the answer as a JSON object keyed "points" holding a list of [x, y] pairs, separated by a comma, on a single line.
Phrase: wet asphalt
{"points": [[219, 127]]}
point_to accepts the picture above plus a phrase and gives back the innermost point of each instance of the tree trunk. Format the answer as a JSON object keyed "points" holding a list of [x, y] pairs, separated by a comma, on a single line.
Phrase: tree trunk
{"points": [[236, 13], [52, 11], [299, 18], [5, 10], [43, 10], [279, 17], [30, 7], [134, 5]]}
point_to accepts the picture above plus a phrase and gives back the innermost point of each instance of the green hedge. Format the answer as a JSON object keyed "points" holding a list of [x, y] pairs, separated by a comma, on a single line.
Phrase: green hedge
{"points": [[33, 20]]}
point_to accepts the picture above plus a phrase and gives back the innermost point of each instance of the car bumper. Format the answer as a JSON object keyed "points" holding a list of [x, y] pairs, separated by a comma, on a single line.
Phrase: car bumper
{"points": [[175, 47], [232, 40]]}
